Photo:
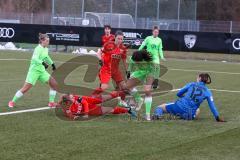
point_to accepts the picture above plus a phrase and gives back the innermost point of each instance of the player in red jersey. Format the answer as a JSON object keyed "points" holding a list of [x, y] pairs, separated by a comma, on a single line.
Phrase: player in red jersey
{"points": [[74, 105], [107, 37], [112, 54]]}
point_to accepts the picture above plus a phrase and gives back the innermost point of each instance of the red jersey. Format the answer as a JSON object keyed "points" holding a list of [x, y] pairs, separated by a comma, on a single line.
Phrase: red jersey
{"points": [[109, 38], [83, 107], [112, 55], [77, 107]]}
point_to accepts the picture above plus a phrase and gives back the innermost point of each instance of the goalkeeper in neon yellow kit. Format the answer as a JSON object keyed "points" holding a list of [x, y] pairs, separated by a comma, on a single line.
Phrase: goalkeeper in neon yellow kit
{"points": [[37, 72], [154, 48]]}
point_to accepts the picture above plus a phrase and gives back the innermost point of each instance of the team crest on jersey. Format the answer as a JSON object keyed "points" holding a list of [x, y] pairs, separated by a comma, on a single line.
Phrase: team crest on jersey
{"points": [[190, 40]]}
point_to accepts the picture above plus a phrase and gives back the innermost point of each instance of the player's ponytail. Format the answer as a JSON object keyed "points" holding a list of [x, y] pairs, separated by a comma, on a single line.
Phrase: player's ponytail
{"points": [[205, 78], [42, 37]]}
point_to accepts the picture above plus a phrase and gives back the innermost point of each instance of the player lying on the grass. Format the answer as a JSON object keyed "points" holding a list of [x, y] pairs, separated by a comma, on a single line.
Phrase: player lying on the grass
{"points": [[142, 69], [37, 72], [154, 47], [190, 98], [112, 54], [74, 105]]}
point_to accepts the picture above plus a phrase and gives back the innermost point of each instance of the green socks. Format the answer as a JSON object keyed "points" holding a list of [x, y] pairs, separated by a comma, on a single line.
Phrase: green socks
{"points": [[52, 95], [17, 96], [148, 104]]}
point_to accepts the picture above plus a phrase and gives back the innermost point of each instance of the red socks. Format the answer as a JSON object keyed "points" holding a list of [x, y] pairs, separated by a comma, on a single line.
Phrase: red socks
{"points": [[119, 110]]}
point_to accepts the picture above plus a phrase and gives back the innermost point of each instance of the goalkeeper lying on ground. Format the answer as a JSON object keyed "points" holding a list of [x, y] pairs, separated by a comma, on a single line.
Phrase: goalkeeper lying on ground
{"points": [[190, 98], [74, 105]]}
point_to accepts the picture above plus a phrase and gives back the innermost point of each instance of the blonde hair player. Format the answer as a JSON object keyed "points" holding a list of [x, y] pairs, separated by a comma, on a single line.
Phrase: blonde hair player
{"points": [[37, 72]]}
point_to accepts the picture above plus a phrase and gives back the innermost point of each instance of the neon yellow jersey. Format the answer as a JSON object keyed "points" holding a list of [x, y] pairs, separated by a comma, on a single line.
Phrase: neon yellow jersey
{"points": [[40, 55], [154, 46]]}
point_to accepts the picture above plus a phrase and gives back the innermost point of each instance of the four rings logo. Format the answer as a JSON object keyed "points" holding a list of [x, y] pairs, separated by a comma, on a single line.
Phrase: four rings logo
{"points": [[236, 43], [6, 32]]}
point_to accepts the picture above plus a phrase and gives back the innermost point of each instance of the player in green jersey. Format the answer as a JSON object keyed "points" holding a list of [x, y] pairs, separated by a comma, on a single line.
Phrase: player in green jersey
{"points": [[37, 72], [154, 47], [141, 68]]}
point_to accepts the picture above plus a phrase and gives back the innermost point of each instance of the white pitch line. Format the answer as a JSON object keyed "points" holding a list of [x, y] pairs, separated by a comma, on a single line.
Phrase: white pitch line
{"points": [[47, 108], [13, 59], [222, 90], [25, 111]]}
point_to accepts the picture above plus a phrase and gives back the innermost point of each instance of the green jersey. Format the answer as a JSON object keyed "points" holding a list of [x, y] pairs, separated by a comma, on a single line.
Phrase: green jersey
{"points": [[154, 46], [40, 55]]}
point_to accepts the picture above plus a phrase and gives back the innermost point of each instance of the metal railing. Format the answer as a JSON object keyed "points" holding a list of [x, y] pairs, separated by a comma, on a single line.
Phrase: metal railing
{"points": [[92, 19]]}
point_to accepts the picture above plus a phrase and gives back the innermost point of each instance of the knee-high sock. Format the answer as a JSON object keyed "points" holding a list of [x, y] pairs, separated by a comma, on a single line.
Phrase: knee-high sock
{"points": [[17, 96], [119, 110], [52, 95], [148, 104]]}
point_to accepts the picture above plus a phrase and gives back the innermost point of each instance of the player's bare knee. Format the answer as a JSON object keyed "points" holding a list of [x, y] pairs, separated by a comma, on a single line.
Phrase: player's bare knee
{"points": [[147, 90], [53, 83], [163, 106], [197, 114]]}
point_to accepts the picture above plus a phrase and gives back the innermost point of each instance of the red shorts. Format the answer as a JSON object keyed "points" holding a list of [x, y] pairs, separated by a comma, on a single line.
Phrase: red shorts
{"points": [[95, 110], [106, 75]]}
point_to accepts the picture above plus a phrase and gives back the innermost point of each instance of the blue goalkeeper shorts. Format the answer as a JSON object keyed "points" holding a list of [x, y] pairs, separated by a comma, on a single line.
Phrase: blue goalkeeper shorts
{"points": [[176, 110]]}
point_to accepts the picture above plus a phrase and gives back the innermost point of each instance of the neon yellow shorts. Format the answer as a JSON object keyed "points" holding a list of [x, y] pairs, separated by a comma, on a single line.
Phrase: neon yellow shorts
{"points": [[34, 75]]}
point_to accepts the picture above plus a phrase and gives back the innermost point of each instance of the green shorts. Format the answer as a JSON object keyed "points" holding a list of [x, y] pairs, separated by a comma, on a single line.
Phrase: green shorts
{"points": [[140, 75], [143, 74], [34, 75]]}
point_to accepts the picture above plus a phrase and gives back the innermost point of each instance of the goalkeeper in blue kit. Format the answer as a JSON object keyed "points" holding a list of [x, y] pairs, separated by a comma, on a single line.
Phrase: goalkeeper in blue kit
{"points": [[190, 98]]}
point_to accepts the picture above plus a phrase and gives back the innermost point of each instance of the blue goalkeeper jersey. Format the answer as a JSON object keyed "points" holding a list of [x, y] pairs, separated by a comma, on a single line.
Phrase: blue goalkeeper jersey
{"points": [[192, 95]]}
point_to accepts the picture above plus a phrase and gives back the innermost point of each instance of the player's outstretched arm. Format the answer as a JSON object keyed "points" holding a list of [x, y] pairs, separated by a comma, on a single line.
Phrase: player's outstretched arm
{"points": [[50, 61], [213, 109]]}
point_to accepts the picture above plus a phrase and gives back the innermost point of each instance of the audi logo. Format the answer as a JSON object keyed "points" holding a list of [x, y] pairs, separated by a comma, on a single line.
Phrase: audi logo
{"points": [[6, 32]]}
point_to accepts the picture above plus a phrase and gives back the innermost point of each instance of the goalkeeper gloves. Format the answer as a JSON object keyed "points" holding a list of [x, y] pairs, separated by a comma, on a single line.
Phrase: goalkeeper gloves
{"points": [[53, 67], [155, 83], [45, 65], [128, 73], [219, 119]]}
